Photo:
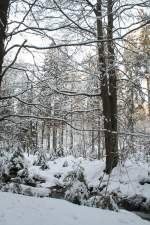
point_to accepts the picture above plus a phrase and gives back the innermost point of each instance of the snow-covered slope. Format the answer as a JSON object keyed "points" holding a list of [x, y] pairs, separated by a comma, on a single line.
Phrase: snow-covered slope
{"points": [[23, 210]]}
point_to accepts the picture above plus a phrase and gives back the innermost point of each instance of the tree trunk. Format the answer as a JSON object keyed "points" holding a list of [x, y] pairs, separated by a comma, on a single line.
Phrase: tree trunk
{"points": [[103, 80], [4, 4], [42, 137], [48, 137], [131, 112], [99, 141], [148, 89], [71, 130], [62, 136], [36, 137], [93, 139], [54, 138], [108, 87], [112, 157]]}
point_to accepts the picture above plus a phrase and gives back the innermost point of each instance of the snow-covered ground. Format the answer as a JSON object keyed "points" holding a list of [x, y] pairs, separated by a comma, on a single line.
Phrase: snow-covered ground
{"points": [[23, 210], [124, 179]]}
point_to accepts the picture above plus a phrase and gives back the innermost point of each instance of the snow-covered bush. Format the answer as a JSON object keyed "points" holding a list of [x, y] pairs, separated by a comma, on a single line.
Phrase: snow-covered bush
{"points": [[65, 164], [57, 154], [103, 201], [10, 164], [23, 173], [136, 202], [12, 187], [16, 163], [77, 191], [41, 160], [4, 174], [24, 178]]}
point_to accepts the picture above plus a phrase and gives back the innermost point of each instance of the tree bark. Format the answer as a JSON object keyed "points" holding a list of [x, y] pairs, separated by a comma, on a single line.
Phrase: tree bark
{"points": [[99, 142], [148, 89], [108, 87], [112, 157], [48, 137], [4, 5], [54, 138], [42, 136]]}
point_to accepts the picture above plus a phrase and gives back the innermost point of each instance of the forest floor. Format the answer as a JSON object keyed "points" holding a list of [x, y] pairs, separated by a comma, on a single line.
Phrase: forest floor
{"points": [[78, 180], [129, 178]]}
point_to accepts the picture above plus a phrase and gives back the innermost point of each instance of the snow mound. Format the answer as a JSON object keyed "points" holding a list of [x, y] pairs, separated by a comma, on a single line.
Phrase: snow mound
{"points": [[17, 209]]}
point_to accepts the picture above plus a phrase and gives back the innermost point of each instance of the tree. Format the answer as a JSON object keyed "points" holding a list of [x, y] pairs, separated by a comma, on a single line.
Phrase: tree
{"points": [[108, 84], [145, 43], [4, 6], [95, 26]]}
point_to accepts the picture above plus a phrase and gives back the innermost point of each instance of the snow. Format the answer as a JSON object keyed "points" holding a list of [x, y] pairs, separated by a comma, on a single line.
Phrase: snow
{"points": [[124, 178], [17, 209]]}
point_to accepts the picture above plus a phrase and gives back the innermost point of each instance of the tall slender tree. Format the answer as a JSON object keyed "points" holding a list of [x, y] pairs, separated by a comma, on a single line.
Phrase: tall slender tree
{"points": [[108, 84]]}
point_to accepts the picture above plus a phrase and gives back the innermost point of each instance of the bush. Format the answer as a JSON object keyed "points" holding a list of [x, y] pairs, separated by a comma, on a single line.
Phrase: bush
{"points": [[4, 173], [16, 163], [103, 201], [41, 160], [77, 191], [57, 154]]}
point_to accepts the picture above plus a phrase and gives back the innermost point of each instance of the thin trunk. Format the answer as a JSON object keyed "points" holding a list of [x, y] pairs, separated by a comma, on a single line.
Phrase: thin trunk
{"points": [[83, 138], [31, 138], [66, 138], [36, 137], [93, 141], [131, 113], [48, 138], [71, 139], [71, 131], [54, 138], [99, 141], [62, 136], [148, 89], [42, 138]]}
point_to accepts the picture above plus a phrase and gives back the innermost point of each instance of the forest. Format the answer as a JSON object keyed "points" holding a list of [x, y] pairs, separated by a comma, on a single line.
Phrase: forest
{"points": [[74, 112]]}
